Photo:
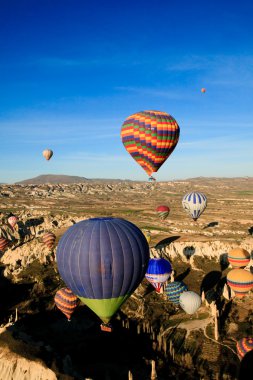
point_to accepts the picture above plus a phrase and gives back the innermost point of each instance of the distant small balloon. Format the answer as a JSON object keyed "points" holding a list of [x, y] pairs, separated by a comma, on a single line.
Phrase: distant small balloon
{"points": [[194, 204], [49, 239], [190, 301], [159, 270], [4, 243], [203, 90], [66, 301], [240, 281], [12, 220], [163, 212], [174, 289], [238, 257], [244, 345], [47, 153]]}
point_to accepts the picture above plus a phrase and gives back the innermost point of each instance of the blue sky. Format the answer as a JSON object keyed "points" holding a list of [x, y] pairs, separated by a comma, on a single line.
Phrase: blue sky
{"points": [[71, 71]]}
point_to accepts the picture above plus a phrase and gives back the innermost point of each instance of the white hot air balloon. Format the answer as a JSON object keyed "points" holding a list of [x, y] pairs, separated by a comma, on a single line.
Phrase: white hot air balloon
{"points": [[189, 301], [194, 204]]}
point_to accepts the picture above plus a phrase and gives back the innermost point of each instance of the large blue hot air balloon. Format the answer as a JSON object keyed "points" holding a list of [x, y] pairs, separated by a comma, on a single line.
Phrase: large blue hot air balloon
{"points": [[158, 272], [103, 260]]}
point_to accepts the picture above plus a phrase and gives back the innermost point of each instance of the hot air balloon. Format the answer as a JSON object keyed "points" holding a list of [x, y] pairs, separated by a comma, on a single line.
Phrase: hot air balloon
{"points": [[12, 220], [150, 137], [174, 289], [189, 301], [4, 243], [194, 204], [240, 281], [47, 153], [103, 260], [238, 257], [244, 345], [163, 212], [49, 239], [203, 90], [158, 272], [66, 301]]}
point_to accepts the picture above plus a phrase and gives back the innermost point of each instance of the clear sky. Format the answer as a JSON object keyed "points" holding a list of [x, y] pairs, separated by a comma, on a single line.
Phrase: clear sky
{"points": [[71, 71]]}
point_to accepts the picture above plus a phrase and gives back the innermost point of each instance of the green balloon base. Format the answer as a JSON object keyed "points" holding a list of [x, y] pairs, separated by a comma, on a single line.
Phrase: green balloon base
{"points": [[104, 308]]}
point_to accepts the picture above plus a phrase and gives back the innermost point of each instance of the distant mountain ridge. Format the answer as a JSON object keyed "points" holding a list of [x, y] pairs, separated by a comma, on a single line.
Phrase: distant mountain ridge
{"points": [[61, 178], [52, 178]]}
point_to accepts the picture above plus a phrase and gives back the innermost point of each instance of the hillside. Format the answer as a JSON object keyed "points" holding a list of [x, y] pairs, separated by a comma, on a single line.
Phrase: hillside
{"points": [[52, 178]]}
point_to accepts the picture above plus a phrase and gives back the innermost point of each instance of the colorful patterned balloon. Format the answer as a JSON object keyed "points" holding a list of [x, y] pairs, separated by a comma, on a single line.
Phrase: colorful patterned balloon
{"points": [[103, 260], [174, 289], [238, 257], [194, 204], [66, 301], [240, 281], [47, 153], [49, 239], [150, 137], [163, 212], [244, 345], [158, 272]]}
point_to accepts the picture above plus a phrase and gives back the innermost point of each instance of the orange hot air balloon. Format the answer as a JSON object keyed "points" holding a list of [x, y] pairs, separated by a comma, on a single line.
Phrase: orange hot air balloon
{"points": [[203, 90], [150, 137], [47, 153], [66, 301], [238, 257], [240, 281], [12, 220], [4, 243], [49, 239]]}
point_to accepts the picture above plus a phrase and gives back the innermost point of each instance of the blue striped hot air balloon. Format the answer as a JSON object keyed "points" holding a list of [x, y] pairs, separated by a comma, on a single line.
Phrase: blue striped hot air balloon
{"points": [[194, 204], [174, 289], [158, 272], [103, 260]]}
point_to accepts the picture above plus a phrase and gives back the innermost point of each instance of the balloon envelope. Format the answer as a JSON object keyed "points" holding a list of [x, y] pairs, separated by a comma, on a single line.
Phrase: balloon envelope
{"points": [[12, 220], [163, 212], [238, 257], [103, 260], [49, 239], [4, 243], [174, 289], [158, 272], [47, 153], [150, 137], [244, 345], [66, 301], [240, 281], [203, 90], [194, 204], [189, 301]]}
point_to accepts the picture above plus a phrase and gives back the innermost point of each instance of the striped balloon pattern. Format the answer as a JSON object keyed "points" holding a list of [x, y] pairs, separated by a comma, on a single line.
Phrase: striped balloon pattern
{"points": [[190, 301], [150, 137], [159, 270], [240, 281], [66, 301], [163, 212], [103, 260], [194, 204], [244, 345], [238, 257], [4, 243], [174, 289], [49, 239]]}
